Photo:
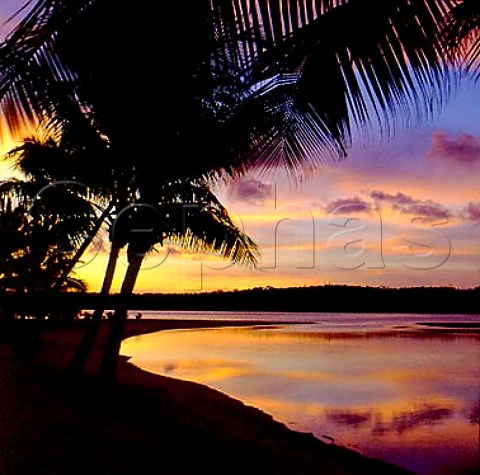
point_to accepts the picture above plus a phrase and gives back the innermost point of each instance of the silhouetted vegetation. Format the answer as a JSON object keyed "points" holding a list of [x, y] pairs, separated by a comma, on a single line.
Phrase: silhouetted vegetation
{"points": [[463, 33], [330, 298], [239, 84], [253, 84]]}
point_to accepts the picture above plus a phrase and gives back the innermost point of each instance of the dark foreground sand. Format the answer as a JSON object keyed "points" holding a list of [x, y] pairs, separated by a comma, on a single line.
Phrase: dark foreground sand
{"points": [[147, 424]]}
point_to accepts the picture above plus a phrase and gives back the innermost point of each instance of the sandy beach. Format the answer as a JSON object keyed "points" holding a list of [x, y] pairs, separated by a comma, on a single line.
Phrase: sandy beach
{"points": [[147, 423]]}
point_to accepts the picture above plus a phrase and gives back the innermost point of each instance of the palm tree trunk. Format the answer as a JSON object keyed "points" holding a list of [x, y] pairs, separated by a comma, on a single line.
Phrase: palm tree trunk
{"points": [[108, 367], [76, 367], [83, 247]]}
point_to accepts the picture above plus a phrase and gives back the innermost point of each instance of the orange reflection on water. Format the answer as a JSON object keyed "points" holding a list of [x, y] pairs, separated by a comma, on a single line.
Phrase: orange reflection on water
{"points": [[410, 397]]}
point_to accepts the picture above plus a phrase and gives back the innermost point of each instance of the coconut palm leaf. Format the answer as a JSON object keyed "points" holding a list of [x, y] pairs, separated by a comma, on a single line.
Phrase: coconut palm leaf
{"points": [[464, 33], [62, 211], [375, 65], [185, 213], [50, 160], [32, 74], [303, 65], [54, 164], [40, 228], [197, 222]]}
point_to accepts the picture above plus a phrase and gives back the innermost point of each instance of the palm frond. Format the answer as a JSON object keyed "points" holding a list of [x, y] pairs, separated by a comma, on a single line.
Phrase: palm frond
{"points": [[56, 215], [36, 85], [375, 66], [251, 29], [268, 81], [34, 158], [463, 33], [47, 160], [185, 213], [209, 230], [225, 242]]}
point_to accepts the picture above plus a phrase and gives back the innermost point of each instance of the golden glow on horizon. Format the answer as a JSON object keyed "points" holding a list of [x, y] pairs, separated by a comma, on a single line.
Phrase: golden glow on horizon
{"points": [[292, 229]]}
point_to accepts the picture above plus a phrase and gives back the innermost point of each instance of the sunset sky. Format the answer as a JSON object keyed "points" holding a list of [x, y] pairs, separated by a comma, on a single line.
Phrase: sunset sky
{"points": [[400, 213]]}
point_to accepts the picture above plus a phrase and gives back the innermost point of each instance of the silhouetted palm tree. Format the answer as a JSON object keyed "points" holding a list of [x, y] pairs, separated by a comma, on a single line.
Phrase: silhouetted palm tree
{"points": [[56, 161], [75, 369], [242, 82], [55, 164], [39, 234], [41, 226], [182, 213]]}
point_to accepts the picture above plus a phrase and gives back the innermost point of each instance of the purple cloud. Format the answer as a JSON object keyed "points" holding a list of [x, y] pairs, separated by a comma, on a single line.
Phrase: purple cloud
{"points": [[426, 416], [251, 190], [471, 213], [349, 205], [464, 148], [349, 418], [397, 200], [427, 209]]}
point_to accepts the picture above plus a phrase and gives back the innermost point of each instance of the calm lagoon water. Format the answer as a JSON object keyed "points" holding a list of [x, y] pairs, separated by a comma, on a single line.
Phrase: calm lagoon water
{"points": [[380, 384]]}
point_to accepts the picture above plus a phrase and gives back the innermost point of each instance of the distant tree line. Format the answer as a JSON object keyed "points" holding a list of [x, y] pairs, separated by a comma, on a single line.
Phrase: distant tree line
{"points": [[329, 298]]}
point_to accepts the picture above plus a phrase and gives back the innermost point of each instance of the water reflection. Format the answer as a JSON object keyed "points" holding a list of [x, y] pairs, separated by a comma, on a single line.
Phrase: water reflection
{"points": [[427, 415], [349, 418], [407, 395]]}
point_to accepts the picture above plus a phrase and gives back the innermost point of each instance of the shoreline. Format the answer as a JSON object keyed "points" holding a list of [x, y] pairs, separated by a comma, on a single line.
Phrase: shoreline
{"points": [[147, 422], [145, 326]]}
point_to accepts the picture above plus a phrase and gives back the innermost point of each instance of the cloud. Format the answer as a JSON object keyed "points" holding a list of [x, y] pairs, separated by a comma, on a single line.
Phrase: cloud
{"points": [[427, 209], [464, 148], [474, 415], [428, 415], [349, 205], [251, 190], [397, 200], [471, 213], [349, 418]]}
